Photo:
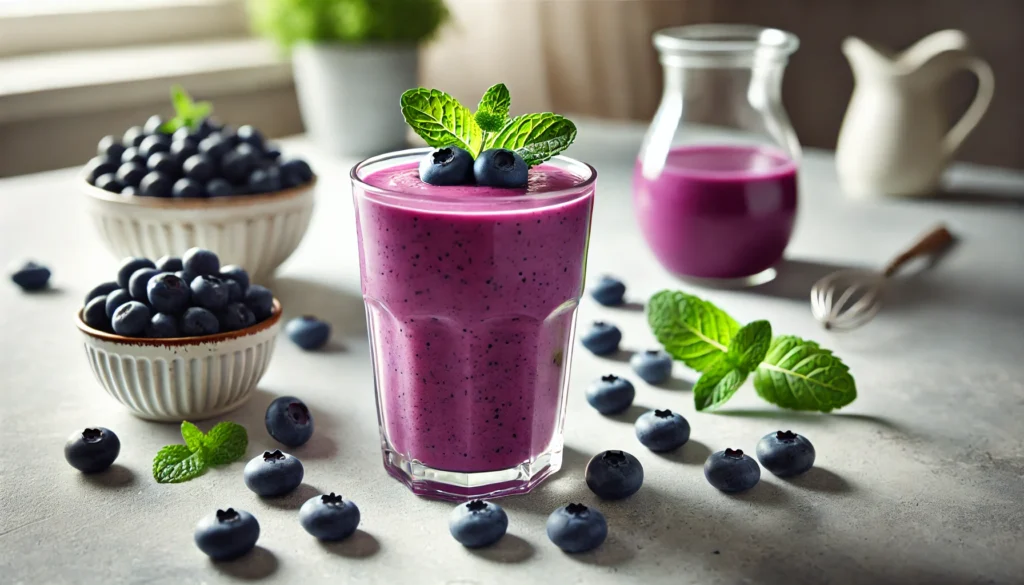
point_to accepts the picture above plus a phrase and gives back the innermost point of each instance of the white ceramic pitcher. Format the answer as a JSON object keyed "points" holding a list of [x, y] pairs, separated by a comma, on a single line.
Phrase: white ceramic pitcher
{"points": [[895, 138]]}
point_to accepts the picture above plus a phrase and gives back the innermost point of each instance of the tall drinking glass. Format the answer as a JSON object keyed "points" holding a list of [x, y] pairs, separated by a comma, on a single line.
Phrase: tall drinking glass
{"points": [[471, 296]]}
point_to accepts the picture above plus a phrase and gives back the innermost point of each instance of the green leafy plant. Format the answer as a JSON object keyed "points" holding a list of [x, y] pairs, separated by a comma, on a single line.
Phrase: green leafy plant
{"points": [[225, 443], [441, 120], [788, 371], [289, 22], [187, 112]]}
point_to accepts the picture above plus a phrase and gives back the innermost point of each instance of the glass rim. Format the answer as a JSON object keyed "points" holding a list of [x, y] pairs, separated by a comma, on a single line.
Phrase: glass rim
{"points": [[725, 40], [555, 197]]}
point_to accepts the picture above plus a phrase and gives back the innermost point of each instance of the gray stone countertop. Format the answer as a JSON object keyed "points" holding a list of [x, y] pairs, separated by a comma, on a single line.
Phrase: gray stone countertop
{"points": [[921, 480]]}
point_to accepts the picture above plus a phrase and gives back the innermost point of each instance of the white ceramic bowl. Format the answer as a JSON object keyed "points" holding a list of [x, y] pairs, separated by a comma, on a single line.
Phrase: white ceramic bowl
{"points": [[186, 378], [255, 231]]}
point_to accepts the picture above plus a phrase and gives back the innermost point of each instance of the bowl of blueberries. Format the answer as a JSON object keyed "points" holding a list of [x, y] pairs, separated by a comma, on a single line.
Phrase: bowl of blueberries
{"points": [[190, 181], [180, 338]]}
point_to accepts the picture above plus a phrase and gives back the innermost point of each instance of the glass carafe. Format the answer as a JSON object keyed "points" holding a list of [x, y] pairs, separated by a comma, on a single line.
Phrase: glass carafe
{"points": [[715, 187]]}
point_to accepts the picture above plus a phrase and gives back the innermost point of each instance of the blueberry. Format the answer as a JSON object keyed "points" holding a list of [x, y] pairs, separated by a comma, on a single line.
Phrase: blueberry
{"points": [[167, 293], [273, 473], [611, 394], [235, 316], [250, 135], [107, 287], [477, 523], [731, 471], [133, 136], [152, 125], [95, 313], [197, 322], [209, 292], [187, 276], [227, 534], [271, 152], [169, 264], [329, 517], [182, 150], [138, 284], [153, 144], [237, 274], [219, 188], [448, 165], [499, 167], [289, 421], [308, 332], [201, 261], [187, 188], [30, 275], [602, 339], [208, 126], [576, 528], [229, 135], [129, 190], [199, 167], [132, 155], [162, 326], [785, 453], [185, 134], [608, 291], [260, 301], [295, 172], [130, 173], [97, 167], [93, 449], [263, 181], [109, 182], [128, 267], [614, 475], [164, 163], [131, 319], [110, 147], [235, 294], [115, 299], [236, 164], [215, 146], [155, 184], [662, 430], [653, 366]]}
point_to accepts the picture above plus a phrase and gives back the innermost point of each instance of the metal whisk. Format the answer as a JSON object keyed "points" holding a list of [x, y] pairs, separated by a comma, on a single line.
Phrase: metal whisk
{"points": [[847, 299]]}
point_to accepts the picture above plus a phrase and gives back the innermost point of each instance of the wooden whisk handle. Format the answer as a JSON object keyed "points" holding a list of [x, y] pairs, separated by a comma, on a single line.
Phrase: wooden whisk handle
{"points": [[931, 243]]}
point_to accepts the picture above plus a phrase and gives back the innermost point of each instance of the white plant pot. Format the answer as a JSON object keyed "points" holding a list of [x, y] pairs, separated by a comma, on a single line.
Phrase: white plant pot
{"points": [[349, 95]]}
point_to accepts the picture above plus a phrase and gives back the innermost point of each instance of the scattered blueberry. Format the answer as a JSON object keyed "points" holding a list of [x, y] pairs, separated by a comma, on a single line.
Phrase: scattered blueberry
{"points": [[731, 471], [106, 288], [654, 366], [92, 450], [237, 274], [133, 136], [95, 313], [273, 473], [785, 453], [614, 475], [138, 284], [109, 182], [30, 276], [115, 300], [608, 291], [131, 319], [289, 421], [308, 332], [131, 173], [611, 394], [198, 321], [602, 339], [575, 528], [499, 167], [209, 292], [155, 184], [186, 188], [164, 163], [167, 293], [128, 267], [476, 524], [662, 430], [449, 165], [153, 144], [169, 264], [198, 167], [219, 188], [227, 534], [329, 517], [235, 316], [97, 167], [260, 301], [110, 147], [162, 326], [200, 261]]}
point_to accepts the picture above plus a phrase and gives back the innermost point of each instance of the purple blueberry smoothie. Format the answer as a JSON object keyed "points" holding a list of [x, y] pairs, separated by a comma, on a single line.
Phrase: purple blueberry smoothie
{"points": [[717, 211], [471, 296]]}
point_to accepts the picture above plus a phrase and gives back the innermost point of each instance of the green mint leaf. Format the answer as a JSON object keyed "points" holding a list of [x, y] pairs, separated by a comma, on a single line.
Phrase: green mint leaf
{"points": [[536, 137], [200, 112], [441, 120], [750, 344], [800, 375], [226, 443], [176, 464], [692, 330], [492, 113], [192, 435], [181, 101], [717, 385], [170, 126]]}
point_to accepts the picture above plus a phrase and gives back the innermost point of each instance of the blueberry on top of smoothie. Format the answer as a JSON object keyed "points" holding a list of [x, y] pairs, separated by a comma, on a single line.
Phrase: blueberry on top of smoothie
{"points": [[500, 167], [449, 165]]}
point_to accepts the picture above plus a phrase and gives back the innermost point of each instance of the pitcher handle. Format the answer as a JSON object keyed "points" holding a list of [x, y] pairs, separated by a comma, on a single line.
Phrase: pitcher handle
{"points": [[978, 107]]}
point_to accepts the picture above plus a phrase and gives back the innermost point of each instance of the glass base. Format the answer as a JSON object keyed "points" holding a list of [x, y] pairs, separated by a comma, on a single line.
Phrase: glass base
{"points": [[763, 277], [458, 486]]}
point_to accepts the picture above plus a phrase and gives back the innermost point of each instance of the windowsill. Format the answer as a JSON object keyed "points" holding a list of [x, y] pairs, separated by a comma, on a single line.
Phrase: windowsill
{"points": [[72, 83]]}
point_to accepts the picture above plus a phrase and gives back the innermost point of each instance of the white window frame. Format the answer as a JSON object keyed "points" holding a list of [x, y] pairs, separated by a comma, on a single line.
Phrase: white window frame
{"points": [[38, 27]]}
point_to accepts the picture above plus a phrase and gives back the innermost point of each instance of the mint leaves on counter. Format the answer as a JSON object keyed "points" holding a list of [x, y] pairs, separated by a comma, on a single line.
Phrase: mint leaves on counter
{"points": [[441, 121], [225, 443], [788, 371], [187, 113]]}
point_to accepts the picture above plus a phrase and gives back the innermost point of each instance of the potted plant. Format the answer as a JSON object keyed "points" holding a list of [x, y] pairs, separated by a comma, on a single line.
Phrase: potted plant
{"points": [[352, 60]]}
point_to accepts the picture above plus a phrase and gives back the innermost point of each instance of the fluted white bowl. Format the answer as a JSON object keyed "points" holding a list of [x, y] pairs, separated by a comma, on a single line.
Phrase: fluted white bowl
{"points": [[185, 378], [255, 231]]}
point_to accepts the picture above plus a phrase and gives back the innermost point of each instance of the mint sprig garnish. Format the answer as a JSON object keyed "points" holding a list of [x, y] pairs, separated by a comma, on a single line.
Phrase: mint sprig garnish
{"points": [[187, 112], [226, 442], [789, 372], [441, 121]]}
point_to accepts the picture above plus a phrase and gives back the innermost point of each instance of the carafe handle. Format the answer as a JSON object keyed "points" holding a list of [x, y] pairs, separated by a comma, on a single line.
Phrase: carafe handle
{"points": [[974, 113]]}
